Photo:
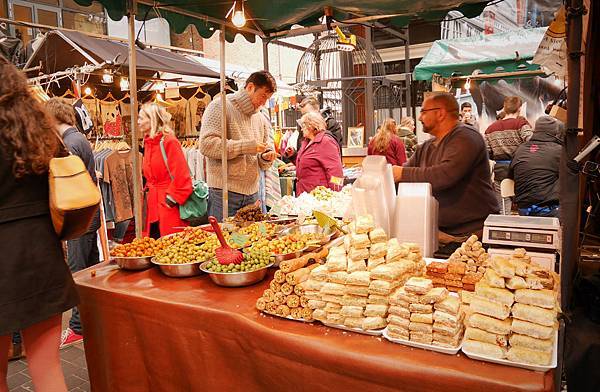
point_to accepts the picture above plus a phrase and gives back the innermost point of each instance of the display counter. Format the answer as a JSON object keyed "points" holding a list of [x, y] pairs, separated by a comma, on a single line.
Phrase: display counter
{"points": [[147, 332]]}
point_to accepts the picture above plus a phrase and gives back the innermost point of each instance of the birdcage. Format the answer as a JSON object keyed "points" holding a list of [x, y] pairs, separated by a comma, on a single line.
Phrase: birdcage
{"points": [[340, 80]]}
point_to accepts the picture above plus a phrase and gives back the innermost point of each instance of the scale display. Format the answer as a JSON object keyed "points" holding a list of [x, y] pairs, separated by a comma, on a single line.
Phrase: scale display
{"points": [[523, 237]]}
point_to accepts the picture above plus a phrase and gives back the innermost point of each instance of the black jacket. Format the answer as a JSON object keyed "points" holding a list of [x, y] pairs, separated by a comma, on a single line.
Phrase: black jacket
{"points": [[534, 168]]}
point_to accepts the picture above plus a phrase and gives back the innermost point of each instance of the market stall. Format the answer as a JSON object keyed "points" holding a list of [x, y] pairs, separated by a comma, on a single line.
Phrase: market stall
{"points": [[145, 331]]}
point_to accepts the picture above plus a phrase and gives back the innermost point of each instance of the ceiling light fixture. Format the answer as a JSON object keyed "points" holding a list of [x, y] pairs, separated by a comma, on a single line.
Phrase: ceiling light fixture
{"points": [[238, 16], [107, 77], [87, 91], [468, 84], [124, 84]]}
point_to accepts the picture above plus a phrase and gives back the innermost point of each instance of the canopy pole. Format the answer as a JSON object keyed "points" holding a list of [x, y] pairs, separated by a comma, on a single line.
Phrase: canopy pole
{"points": [[408, 79], [137, 180], [224, 126], [265, 48], [369, 107]]}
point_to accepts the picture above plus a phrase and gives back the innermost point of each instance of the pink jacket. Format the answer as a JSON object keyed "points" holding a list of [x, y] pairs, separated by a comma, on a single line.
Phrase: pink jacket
{"points": [[317, 161]]}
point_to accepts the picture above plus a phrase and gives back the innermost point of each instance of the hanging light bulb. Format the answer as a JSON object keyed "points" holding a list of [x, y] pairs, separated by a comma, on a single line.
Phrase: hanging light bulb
{"points": [[468, 84], [159, 97], [238, 18], [124, 84], [87, 91], [107, 77]]}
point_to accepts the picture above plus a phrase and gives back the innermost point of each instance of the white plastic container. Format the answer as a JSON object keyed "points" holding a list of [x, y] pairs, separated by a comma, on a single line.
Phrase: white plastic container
{"points": [[416, 217], [368, 198]]}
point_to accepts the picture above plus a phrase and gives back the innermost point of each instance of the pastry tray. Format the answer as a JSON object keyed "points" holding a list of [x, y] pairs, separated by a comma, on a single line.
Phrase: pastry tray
{"points": [[288, 317], [430, 347], [377, 332], [537, 368]]}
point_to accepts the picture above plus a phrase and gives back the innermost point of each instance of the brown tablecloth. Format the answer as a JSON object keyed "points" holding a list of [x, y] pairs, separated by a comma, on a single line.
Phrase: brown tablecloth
{"points": [[147, 332]]}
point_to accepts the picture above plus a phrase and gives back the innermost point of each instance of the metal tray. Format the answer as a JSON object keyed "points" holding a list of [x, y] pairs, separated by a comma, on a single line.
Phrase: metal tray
{"points": [[134, 263], [235, 279], [430, 347], [537, 368], [179, 270], [377, 332]]}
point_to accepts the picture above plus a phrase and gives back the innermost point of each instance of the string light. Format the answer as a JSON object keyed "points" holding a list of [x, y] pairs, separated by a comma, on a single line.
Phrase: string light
{"points": [[468, 84], [124, 83], [238, 17], [87, 91]]}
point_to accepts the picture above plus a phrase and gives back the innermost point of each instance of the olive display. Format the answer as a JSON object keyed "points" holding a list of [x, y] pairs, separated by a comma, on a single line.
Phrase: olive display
{"points": [[180, 253], [139, 247], [283, 245], [258, 230], [252, 261]]}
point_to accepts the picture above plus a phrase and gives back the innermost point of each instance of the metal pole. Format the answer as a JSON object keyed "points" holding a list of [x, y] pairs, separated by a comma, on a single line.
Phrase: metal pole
{"points": [[569, 181], [265, 47], [408, 79], [137, 180], [369, 110], [224, 125]]}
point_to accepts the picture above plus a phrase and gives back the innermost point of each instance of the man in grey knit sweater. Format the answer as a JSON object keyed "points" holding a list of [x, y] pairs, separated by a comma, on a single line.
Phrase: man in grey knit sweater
{"points": [[455, 162], [246, 144]]}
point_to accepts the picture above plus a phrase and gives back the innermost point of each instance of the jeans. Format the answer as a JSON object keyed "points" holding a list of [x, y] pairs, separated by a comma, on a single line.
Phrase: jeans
{"points": [[16, 338], [120, 230], [82, 253], [236, 201]]}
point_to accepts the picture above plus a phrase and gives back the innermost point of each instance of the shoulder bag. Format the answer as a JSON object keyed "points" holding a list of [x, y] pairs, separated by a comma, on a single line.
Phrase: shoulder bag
{"points": [[74, 198], [197, 204]]}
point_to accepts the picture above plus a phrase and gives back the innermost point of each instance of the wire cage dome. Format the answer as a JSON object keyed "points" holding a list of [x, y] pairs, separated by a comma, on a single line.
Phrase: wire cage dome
{"points": [[340, 78]]}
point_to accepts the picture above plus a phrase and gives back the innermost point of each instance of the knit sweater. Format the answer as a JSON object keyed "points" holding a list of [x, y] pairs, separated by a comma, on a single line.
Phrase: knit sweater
{"points": [[243, 135]]}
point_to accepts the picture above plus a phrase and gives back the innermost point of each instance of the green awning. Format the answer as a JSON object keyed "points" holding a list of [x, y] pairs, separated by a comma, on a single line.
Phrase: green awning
{"points": [[462, 56], [281, 15]]}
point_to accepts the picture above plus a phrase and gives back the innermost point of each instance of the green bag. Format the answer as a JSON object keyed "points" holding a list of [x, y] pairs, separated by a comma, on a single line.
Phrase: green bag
{"points": [[197, 204]]}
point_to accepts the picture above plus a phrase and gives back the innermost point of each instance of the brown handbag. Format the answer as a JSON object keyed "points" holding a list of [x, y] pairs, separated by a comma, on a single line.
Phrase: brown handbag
{"points": [[74, 198]]}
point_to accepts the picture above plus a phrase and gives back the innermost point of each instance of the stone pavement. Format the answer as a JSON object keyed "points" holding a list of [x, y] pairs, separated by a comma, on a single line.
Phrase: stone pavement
{"points": [[73, 363]]}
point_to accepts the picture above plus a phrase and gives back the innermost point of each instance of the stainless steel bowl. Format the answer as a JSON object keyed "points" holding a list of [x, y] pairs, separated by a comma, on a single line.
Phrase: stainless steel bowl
{"points": [[179, 270], [235, 279], [310, 229], [134, 263], [288, 256]]}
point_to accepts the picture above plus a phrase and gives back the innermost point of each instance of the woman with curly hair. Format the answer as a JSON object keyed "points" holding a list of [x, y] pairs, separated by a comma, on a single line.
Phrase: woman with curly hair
{"points": [[36, 286], [387, 143]]}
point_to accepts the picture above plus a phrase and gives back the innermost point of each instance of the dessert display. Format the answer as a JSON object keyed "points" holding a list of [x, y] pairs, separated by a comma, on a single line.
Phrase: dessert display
{"points": [[328, 201], [464, 268], [425, 314], [286, 296], [513, 312], [351, 289]]}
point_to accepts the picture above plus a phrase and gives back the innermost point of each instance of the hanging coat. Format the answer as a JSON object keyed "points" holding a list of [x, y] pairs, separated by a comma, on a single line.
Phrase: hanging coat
{"points": [[159, 183]]}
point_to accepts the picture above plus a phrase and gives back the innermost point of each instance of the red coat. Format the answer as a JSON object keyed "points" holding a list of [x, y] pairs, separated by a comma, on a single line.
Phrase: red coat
{"points": [[317, 161], [159, 184], [395, 153]]}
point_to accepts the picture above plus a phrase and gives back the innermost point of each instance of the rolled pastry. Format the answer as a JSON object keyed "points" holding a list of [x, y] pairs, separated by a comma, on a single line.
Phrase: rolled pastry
{"points": [[296, 313], [268, 295], [524, 355], [373, 323], [287, 288], [304, 301], [493, 279], [489, 308], [524, 341], [486, 337], [503, 296], [320, 273], [316, 304], [490, 324], [279, 276], [299, 289], [307, 313], [378, 235], [300, 275], [293, 301], [276, 287], [487, 349], [542, 298], [313, 285], [352, 311], [375, 310], [261, 304], [516, 283], [332, 307], [283, 310], [534, 314], [279, 298]]}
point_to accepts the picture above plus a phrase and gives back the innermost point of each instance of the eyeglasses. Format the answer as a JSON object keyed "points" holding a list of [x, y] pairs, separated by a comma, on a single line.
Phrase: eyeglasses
{"points": [[429, 110]]}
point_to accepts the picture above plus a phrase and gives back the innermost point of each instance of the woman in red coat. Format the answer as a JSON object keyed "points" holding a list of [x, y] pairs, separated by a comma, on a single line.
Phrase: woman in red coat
{"points": [[164, 193], [318, 161], [387, 143]]}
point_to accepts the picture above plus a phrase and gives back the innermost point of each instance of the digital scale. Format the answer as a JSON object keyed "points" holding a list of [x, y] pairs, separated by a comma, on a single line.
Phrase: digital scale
{"points": [[540, 236]]}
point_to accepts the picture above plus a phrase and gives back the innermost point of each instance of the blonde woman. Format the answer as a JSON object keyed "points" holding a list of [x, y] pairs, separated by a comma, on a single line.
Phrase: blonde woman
{"points": [[388, 144], [166, 187], [318, 160]]}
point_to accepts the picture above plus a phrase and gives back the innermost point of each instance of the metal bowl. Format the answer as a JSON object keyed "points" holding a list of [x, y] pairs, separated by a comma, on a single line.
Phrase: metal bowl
{"points": [[235, 279], [288, 256], [179, 270], [310, 229], [134, 263]]}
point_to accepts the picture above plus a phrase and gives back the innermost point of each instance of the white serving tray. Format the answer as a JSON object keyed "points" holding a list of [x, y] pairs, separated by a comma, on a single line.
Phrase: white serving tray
{"points": [[430, 347], [377, 332], [537, 368]]}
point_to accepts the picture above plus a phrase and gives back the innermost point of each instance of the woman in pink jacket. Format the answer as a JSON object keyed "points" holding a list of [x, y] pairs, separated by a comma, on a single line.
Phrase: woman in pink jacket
{"points": [[318, 161]]}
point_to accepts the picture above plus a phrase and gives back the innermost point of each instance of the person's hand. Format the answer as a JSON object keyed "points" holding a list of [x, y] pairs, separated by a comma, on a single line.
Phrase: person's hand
{"points": [[269, 156], [260, 148], [170, 201], [397, 172], [289, 151]]}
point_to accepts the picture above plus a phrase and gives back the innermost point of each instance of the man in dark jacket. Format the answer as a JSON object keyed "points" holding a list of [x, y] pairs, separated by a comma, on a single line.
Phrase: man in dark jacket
{"points": [[455, 163], [82, 252], [534, 168]]}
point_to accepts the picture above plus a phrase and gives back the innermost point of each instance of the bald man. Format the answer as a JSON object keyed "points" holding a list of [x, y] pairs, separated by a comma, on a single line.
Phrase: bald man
{"points": [[455, 162]]}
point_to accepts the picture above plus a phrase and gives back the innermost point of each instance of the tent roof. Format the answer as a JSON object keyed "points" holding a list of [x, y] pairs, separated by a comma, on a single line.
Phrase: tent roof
{"points": [[61, 50], [273, 16], [483, 52]]}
